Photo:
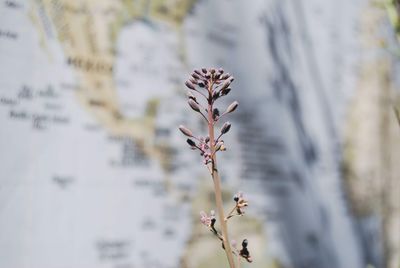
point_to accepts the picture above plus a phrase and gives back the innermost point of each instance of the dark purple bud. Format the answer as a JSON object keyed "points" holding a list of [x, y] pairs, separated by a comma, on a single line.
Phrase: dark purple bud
{"points": [[245, 243], [207, 139], [195, 76], [190, 85], [207, 75], [232, 107], [191, 142], [225, 76], [220, 71], [185, 131], [215, 114], [226, 127], [212, 70], [194, 105], [215, 95], [213, 220], [225, 91], [201, 84], [204, 70], [197, 72], [244, 252]]}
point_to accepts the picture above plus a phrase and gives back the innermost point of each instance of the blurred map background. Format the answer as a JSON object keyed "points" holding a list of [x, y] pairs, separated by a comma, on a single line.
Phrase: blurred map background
{"points": [[93, 172]]}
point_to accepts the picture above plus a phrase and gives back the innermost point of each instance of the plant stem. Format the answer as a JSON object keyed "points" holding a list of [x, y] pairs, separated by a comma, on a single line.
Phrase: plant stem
{"points": [[217, 185], [397, 114]]}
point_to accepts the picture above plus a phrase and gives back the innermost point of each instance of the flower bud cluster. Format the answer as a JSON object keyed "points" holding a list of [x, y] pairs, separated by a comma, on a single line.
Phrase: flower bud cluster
{"points": [[205, 150], [243, 252], [241, 203], [205, 77], [210, 84], [208, 221], [201, 144]]}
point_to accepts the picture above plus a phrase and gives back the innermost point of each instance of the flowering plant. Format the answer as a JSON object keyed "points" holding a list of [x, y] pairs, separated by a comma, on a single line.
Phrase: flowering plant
{"points": [[206, 86]]}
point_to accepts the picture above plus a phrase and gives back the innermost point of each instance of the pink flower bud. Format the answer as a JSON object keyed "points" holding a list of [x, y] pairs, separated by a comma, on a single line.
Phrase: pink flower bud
{"points": [[232, 107], [193, 81], [226, 84], [185, 131], [195, 76], [225, 76], [191, 96], [194, 105], [197, 72], [233, 243], [205, 219], [190, 85]]}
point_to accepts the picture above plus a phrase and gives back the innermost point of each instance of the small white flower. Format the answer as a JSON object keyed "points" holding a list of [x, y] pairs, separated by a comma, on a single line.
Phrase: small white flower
{"points": [[205, 219]]}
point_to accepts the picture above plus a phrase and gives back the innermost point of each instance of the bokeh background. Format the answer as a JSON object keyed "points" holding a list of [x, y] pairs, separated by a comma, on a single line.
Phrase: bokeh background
{"points": [[94, 173]]}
